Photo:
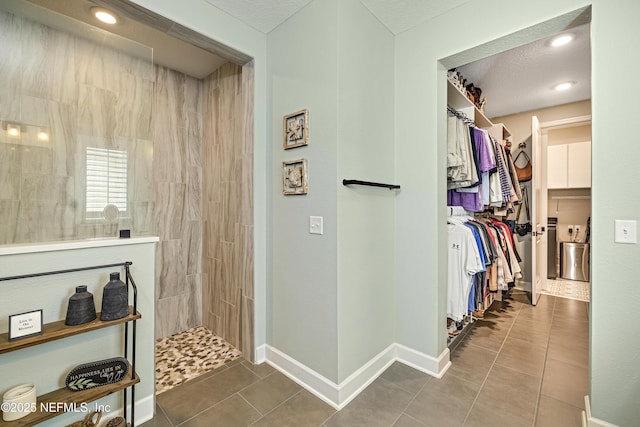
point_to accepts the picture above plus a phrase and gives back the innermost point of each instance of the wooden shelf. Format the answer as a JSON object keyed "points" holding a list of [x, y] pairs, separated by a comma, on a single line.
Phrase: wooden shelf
{"points": [[72, 399], [58, 330], [459, 101]]}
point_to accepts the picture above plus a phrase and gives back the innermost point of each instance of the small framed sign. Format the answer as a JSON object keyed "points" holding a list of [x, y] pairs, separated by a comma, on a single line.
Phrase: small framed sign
{"points": [[25, 325]]}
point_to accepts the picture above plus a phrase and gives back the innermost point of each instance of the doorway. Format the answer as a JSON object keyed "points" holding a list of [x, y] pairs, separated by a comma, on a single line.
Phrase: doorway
{"points": [[562, 118]]}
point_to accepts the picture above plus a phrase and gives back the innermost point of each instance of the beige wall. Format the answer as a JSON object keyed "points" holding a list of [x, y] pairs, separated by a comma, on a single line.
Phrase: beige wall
{"points": [[520, 124], [568, 211]]}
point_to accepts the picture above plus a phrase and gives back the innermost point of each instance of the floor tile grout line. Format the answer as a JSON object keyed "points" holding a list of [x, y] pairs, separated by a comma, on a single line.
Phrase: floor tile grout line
{"points": [[544, 366], [410, 402], [206, 409], [165, 414], [492, 365], [249, 403], [279, 405], [223, 400]]}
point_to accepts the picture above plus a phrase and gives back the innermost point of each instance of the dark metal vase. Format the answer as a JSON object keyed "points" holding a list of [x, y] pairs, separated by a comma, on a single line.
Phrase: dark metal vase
{"points": [[81, 308], [115, 299]]}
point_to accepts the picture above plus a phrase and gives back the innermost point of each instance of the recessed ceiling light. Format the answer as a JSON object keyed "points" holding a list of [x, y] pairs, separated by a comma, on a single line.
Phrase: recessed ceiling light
{"points": [[104, 15], [562, 39], [563, 86]]}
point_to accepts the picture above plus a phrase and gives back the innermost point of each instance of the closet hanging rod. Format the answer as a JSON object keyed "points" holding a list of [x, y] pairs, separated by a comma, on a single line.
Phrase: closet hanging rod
{"points": [[370, 184]]}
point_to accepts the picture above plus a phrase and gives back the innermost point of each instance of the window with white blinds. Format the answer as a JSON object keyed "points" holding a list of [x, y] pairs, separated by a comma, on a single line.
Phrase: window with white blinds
{"points": [[106, 180]]}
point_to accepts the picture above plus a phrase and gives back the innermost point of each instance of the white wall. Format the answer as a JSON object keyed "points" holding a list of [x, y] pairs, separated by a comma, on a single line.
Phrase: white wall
{"points": [[420, 102], [303, 73], [210, 21], [47, 364], [366, 291]]}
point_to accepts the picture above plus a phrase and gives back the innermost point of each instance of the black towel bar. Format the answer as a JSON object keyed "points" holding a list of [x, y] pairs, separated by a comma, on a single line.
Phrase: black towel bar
{"points": [[370, 184]]}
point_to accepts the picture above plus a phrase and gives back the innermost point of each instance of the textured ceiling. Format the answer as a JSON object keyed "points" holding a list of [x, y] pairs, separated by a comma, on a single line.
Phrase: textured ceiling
{"points": [[263, 15], [396, 15], [402, 15], [522, 79], [514, 81]]}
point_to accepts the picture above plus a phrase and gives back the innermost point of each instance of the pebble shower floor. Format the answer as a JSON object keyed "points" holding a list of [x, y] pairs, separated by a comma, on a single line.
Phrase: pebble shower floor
{"points": [[189, 354]]}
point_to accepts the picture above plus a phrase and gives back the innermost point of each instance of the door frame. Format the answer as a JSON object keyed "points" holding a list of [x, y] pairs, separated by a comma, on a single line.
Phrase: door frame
{"points": [[545, 127]]}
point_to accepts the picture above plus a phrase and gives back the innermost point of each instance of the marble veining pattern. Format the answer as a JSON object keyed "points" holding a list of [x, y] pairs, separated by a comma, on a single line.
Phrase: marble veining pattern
{"points": [[190, 160], [177, 180], [83, 94], [227, 182]]}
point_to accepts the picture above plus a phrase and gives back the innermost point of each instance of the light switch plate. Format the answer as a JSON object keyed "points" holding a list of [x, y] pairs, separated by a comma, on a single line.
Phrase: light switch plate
{"points": [[626, 231], [316, 225]]}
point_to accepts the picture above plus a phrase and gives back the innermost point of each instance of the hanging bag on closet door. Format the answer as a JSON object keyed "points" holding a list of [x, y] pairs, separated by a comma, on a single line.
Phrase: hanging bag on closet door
{"points": [[525, 173], [523, 227]]}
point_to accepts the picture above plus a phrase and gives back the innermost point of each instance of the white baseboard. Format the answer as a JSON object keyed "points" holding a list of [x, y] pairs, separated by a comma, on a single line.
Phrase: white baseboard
{"points": [[588, 420], [306, 377], [260, 355], [423, 362], [360, 379], [339, 395]]}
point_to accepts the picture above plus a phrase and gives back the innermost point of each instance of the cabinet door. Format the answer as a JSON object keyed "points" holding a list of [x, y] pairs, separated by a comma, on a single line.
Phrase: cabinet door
{"points": [[579, 165], [557, 166]]}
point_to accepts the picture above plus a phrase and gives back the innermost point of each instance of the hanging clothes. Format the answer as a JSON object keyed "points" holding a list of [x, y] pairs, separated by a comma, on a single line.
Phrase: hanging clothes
{"points": [[482, 258], [479, 170]]}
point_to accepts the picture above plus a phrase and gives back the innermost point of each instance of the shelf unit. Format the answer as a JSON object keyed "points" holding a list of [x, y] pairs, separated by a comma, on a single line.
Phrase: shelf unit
{"points": [[58, 330], [71, 398], [459, 101]]}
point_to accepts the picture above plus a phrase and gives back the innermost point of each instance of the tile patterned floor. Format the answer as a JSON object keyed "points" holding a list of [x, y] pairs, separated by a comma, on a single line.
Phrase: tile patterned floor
{"points": [[188, 355], [520, 366], [567, 289]]}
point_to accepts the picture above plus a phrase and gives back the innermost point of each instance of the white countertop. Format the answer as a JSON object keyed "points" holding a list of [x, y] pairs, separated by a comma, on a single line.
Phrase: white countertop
{"points": [[73, 244]]}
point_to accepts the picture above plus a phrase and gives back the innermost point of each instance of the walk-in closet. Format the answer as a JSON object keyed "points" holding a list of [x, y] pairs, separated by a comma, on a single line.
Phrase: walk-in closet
{"points": [[519, 213]]}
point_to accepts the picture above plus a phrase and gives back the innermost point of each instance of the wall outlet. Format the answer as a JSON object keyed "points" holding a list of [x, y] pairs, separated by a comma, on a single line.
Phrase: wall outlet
{"points": [[570, 229], [577, 228]]}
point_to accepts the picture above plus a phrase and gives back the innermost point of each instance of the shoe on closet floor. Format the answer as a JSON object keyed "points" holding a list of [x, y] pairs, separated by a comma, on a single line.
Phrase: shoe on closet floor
{"points": [[452, 330]]}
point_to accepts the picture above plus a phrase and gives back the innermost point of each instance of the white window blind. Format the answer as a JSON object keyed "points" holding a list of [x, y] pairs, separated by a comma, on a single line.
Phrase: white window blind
{"points": [[106, 180]]}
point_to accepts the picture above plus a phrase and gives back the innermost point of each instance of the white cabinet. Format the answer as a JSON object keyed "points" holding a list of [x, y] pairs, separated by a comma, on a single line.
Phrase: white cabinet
{"points": [[557, 166], [579, 165], [569, 165]]}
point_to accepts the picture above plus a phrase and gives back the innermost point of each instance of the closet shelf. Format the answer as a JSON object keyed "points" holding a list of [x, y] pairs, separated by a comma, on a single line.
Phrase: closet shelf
{"points": [[459, 101], [58, 330]]}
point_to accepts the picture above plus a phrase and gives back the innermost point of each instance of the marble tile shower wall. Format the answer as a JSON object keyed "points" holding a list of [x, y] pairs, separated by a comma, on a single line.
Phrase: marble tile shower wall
{"points": [[85, 95], [177, 178], [228, 205]]}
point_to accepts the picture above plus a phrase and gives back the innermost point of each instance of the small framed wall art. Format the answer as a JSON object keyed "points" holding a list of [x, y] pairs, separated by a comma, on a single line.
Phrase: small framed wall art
{"points": [[294, 177], [296, 129]]}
